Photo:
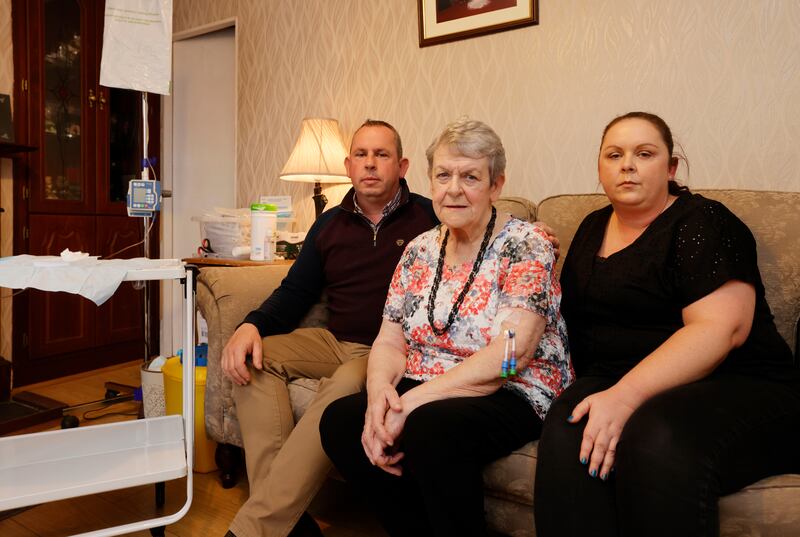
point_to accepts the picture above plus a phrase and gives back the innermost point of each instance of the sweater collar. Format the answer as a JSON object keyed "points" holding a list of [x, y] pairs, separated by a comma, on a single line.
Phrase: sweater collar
{"points": [[348, 203]]}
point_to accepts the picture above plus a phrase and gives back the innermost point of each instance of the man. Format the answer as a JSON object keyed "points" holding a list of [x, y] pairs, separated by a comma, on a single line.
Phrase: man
{"points": [[350, 254]]}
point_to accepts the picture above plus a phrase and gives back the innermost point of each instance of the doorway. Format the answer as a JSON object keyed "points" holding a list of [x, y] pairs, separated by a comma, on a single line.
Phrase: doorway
{"points": [[199, 150]]}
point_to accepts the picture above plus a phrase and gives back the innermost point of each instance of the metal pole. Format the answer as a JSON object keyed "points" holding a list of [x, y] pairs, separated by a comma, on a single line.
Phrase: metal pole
{"points": [[146, 222]]}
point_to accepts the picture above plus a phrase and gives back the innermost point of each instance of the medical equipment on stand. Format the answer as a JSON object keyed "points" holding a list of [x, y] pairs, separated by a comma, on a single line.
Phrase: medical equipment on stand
{"points": [[144, 197]]}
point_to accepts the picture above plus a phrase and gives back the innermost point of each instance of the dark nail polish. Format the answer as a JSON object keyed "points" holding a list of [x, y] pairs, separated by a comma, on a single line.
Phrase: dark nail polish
{"points": [[584, 460], [593, 473], [571, 417], [604, 477]]}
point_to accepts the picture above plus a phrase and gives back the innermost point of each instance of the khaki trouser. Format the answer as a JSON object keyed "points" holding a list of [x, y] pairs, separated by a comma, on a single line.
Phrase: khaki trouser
{"points": [[286, 465]]}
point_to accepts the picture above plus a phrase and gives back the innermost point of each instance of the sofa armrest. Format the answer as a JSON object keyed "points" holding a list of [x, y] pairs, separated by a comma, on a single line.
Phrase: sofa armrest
{"points": [[225, 295]]}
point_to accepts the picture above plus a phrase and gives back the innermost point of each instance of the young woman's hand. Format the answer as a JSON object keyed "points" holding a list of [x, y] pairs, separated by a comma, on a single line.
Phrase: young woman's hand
{"points": [[608, 413]]}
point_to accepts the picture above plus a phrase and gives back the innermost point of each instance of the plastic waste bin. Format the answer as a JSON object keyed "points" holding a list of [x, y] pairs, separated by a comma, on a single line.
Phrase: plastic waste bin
{"points": [[153, 388], [204, 447]]}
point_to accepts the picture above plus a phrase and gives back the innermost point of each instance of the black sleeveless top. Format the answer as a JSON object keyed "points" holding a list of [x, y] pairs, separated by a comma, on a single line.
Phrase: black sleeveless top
{"points": [[621, 308]]}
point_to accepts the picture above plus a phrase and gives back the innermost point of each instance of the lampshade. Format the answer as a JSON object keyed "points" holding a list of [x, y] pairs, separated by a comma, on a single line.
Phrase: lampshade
{"points": [[318, 154]]}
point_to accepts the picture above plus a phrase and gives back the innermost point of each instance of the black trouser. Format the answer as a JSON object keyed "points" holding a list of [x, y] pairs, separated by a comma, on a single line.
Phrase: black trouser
{"points": [[446, 444], [678, 453]]}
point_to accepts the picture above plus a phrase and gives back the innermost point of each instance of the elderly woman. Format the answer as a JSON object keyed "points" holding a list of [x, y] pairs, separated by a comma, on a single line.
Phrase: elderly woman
{"points": [[467, 300], [684, 385]]}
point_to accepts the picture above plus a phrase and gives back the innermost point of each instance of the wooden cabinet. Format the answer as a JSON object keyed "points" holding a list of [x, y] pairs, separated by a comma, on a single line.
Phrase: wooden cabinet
{"points": [[71, 192]]}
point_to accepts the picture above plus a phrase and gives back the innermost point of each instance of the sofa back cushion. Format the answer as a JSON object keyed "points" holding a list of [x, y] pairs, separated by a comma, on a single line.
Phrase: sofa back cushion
{"points": [[773, 217], [517, 207], [564, 214]]}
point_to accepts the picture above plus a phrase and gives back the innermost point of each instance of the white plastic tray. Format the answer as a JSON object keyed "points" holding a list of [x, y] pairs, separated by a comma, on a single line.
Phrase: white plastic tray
{"points": [[171, 272], [61, 464]]}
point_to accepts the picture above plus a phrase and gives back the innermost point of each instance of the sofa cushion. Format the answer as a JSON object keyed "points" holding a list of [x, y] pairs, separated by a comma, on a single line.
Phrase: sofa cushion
{"points": [[767, 508], [301, 393], [511, 477]]}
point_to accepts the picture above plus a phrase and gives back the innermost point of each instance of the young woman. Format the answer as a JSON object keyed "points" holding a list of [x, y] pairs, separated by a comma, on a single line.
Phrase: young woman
{"points": [[685, 391]]}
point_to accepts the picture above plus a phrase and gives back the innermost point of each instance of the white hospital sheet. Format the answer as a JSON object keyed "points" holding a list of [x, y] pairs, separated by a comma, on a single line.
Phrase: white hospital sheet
{"points": [[89, 277]]}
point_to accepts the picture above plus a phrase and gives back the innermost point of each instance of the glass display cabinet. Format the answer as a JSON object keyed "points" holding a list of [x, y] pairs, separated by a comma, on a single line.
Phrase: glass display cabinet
{"points": [[71, 192]]}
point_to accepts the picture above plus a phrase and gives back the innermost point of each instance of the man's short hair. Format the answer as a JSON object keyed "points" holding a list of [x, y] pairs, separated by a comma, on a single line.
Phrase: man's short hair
{"points": [[380, 123]]}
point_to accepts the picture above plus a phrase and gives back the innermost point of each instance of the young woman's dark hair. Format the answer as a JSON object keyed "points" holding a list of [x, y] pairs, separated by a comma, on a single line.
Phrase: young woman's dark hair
{"points": [[666, 134]]}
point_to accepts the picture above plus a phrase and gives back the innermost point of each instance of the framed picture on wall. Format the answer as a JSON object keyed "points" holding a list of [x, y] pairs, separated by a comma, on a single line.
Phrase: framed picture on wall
{"points": [[441, 21]]}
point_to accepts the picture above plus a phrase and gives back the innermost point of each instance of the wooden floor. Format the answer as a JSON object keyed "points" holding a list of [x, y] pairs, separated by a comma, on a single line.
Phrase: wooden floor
{"points": [[338, 513]]}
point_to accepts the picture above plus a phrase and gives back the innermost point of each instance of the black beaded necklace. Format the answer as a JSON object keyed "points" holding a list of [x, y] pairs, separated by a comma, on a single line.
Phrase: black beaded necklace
{"points": [[438, 277]]}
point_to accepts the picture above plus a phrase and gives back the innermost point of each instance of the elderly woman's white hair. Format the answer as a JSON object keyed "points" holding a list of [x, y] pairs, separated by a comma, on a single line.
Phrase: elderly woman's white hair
{"points": [[474, 139]]}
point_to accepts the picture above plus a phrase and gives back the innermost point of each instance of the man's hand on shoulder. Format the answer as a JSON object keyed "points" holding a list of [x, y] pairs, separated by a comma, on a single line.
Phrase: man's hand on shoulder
{"points": [[551, 236], [246, 340]]}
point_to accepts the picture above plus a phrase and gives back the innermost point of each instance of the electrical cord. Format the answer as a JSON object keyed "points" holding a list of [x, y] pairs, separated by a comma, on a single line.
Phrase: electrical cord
{"points": [[150, 165], [86, 415], [12, 295], [149, 228]]}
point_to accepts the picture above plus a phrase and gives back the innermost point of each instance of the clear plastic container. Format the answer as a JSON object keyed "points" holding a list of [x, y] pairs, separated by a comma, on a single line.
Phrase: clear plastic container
{"points": [[263, 225]]}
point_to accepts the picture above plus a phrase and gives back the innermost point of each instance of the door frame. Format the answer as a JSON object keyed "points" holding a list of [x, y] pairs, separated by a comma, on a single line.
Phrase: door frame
{"points": [[171, 318]]}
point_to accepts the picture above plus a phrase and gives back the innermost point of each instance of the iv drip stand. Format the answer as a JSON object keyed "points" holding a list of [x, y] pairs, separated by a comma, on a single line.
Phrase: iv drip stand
{"points": [[148, 344]]}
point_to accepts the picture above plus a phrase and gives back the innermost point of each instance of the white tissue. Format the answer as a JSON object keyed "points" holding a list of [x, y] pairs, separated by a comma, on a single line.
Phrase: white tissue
{"points": [[69, 256], [157, 363]]}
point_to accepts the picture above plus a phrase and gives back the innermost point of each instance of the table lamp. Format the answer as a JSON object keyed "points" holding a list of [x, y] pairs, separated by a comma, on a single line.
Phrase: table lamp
{"points": [[318, 157]]}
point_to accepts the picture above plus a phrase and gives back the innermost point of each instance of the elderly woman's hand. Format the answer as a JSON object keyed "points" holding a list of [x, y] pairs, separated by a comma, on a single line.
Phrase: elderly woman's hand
{"points": [[378, 453], [377, 439], [608, 412], [394, 422], [390, 458], [380, 400]]}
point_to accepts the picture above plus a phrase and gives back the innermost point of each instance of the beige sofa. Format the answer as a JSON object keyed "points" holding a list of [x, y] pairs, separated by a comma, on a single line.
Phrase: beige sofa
{"points": [[768, 508]]}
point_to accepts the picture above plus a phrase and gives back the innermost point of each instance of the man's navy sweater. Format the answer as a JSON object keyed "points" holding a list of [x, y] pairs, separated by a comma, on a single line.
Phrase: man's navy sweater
{"points": [[354, 266]]}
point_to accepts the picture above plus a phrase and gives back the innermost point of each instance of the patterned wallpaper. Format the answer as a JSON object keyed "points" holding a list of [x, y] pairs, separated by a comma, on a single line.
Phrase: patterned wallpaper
{"points": [[724, 73], [6, 192]]}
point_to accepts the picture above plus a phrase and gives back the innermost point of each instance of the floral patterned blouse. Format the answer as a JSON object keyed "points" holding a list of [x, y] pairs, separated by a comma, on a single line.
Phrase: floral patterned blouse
{"points": [[517, 272]]}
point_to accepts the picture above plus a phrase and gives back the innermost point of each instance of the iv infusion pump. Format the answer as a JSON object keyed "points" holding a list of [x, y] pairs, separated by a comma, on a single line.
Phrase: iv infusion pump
{"points": [[144, 197]]}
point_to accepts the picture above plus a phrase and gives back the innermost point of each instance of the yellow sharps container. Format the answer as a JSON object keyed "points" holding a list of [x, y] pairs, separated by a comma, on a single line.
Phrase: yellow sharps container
{"points": [[204, 447]]}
